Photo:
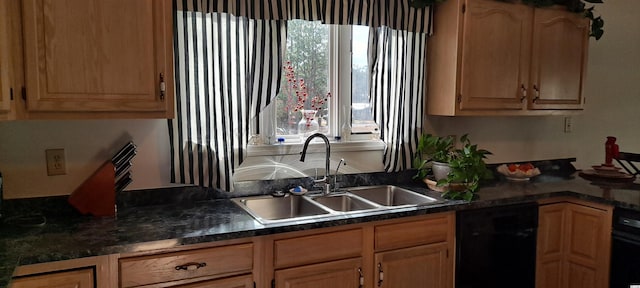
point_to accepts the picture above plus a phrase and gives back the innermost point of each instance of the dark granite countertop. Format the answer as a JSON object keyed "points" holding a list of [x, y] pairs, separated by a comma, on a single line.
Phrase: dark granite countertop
{"points": [[71, 236]]}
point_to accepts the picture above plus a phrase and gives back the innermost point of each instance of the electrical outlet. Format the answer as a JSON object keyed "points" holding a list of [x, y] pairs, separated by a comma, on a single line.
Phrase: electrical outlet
{"points": [[56, 162], [568, 125]]}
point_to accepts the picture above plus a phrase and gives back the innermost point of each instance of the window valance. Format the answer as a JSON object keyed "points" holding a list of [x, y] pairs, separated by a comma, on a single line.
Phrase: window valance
{"points": [[396, 14]]}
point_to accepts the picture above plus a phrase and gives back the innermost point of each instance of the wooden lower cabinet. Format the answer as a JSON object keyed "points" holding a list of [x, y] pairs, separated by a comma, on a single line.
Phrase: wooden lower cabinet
{"points": [[83, 278], [423, 266], [573, 249], [335, 274], [204, 267], [245, 281], [408, 252], [75, 273]]}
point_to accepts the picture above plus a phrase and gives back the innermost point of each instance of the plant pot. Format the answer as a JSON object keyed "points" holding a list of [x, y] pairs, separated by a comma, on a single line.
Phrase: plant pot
{"points": [[440, 170], [433, 185]]}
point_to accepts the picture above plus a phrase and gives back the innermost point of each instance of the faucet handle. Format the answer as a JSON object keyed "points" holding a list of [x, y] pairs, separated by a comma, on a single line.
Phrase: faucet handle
{"points": [[342, 162]]}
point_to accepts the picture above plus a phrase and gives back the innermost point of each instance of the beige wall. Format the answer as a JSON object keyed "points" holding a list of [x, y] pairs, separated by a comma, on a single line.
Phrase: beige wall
{"points": [[613, 104], [88, 144]]}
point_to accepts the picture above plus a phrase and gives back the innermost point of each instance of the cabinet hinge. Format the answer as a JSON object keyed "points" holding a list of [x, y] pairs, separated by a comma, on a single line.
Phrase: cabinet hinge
{"points": [[447, 253], [24, 93], [254, 284], [464, 8], [380, 275], [273, 283], [163, 86], [11, 93]]}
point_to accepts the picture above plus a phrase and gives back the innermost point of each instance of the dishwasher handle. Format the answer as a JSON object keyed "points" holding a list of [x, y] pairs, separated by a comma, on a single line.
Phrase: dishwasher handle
{"points": [[520, 233], [626, 237]]}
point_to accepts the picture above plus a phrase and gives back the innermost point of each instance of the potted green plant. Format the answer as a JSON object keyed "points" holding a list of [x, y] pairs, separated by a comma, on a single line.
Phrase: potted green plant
{"points": [[466, 164], [433, 149]]}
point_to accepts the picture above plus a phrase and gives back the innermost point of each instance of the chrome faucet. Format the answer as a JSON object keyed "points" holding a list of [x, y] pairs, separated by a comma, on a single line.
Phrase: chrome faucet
{"points": [[325, 180]]}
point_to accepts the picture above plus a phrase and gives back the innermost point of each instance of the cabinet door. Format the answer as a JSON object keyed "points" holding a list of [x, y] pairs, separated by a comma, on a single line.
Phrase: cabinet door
{"points": [[4, 61], [245, 281], [559, 59], [588, 245], [98, 55], [495, 55], [551, 227], [573, 246], [426, 266], [72, 279], [334, 274]]}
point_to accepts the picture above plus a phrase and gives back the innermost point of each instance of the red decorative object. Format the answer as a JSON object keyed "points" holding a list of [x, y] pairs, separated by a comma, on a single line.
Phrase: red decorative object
{"points": [[297, 93], [611, 150]]}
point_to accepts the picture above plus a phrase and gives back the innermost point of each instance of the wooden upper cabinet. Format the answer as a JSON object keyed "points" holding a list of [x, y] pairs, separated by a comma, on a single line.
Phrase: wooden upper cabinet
{"points": [[559, 59], [495, 55], [5, 66], [5, 95], [107, 56], [490, 57]]}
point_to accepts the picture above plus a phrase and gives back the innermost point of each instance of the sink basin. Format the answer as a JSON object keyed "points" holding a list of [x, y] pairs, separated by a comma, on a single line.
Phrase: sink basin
{"points": [[389, 195], [270, 209], [344, 203]]}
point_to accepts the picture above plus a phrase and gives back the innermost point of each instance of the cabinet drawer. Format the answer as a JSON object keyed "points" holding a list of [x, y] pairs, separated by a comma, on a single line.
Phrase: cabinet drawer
{"points": [[413, 233], [317, 248], [218, 261], [82, 278], [245, 281]]}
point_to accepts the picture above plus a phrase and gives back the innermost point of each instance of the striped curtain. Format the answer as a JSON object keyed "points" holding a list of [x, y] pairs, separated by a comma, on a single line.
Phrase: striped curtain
{"points": [[396, 14], [397, 59], [227, 70], [228, 56]]}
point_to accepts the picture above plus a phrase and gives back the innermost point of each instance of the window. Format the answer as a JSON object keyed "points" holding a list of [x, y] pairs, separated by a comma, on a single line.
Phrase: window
{"points": [[325, 84], [361, 117]]}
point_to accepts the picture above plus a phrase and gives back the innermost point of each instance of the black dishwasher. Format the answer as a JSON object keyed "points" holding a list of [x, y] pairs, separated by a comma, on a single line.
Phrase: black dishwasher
{"points": [[496, 247], [625, 249]]}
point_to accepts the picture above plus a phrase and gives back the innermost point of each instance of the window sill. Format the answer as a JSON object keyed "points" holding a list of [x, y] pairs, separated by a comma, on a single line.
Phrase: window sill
{"points": [[314, 147]]}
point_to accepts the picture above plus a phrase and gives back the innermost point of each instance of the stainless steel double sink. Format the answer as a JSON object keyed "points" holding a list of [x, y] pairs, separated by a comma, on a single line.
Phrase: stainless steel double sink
{"points": [[267, 209]]}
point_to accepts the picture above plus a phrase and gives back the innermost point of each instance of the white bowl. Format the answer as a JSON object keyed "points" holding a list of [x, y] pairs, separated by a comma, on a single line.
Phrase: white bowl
{"points": [[517, 175]]}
